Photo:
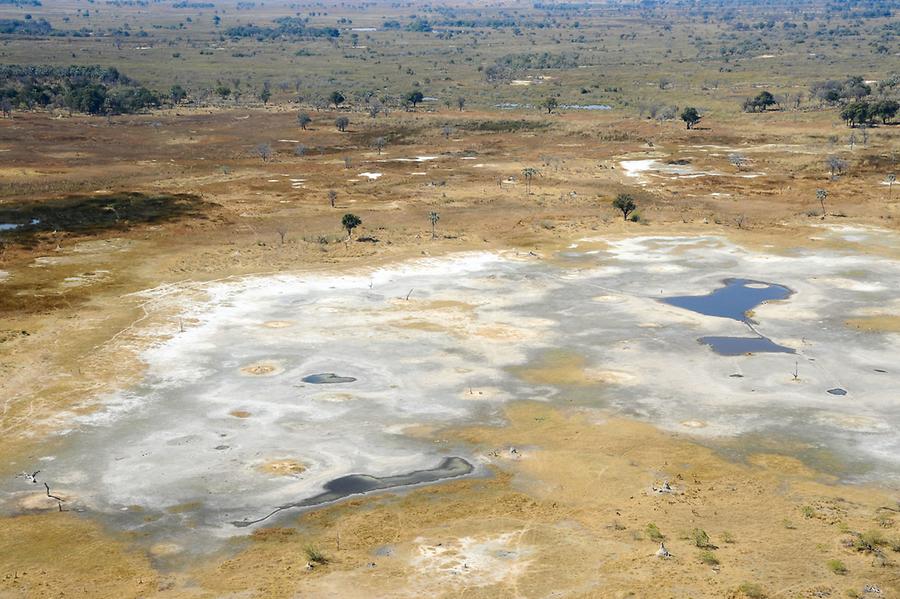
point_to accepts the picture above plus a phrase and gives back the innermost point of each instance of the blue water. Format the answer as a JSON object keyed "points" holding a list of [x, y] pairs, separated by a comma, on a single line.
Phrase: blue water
{"points": [[733, 300], [14, 226], [739, 346]]}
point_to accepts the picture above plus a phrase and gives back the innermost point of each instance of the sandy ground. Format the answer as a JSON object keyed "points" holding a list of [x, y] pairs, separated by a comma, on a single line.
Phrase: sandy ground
{"points": [[568, 513]]}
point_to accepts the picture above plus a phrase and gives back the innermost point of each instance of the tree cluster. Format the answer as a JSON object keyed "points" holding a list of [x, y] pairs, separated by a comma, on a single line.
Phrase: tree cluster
{"points": [[284, 27], [863, 112], [838, 92], [87, 89], [760, 103]]}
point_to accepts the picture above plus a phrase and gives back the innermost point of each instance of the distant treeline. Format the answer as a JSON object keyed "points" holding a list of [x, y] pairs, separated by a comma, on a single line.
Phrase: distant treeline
{"points": [[87, 89], [542, 60], [21, 2], [39, 27], [291, 27], [25, 27]]}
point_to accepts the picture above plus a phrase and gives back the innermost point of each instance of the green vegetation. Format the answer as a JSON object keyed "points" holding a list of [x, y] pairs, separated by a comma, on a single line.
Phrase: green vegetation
{"points": [[862, 112], [91, 89], [869, 542], [690, 116], [625, 203], [315, 556], [689, 56], [654, 534], [700, 539], [350, 222], [282, 28], [836, 566], [26, 27], [760, 103], [87, 214], [709, 558], [751, 590], [549, 104]]}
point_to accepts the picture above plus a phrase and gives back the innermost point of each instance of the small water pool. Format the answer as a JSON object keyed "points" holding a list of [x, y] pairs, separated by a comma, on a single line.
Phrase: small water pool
{"points": [[734, 300]]}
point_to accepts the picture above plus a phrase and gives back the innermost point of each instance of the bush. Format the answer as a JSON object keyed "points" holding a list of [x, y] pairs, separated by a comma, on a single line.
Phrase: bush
{"points": [[751, 591], [654, 533], [699, 537], [869, 541], [709, 558], [836, 566], [315, 556]]}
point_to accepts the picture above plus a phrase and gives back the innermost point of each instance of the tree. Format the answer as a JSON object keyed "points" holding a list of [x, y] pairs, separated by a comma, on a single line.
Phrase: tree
{"points": [[690, 116], [336, 98], [890, 180], [342, 123], [434, 217], [350, 222], [821, 195], [886, 110], [303, 120], [625, 203], [177, 94], [857, 112], [836, 165], [529, 173], [550, 104], [264, 151], [332, 196], [6, 107], [460, 103], [265, 94], [378, 143], [760, 103], [414, 97]]}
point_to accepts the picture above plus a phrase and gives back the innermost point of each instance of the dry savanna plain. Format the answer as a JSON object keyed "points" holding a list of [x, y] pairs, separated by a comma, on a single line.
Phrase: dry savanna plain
{"points": [[337, 299]]}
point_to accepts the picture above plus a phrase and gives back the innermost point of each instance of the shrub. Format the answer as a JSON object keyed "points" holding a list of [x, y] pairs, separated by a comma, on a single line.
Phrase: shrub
{"points": [[868, 541], [699, 537], [315, 556], [654, 533], [709, 558], [751, 590], [836, 566]]}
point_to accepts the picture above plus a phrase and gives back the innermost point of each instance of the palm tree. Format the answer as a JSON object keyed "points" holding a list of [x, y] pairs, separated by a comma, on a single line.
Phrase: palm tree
{"points": [[821, 195], [434, 217], [529, 173]]}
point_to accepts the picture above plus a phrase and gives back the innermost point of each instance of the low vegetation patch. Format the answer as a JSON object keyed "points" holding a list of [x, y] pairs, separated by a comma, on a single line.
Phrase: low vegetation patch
{"points": [[95, 213]]}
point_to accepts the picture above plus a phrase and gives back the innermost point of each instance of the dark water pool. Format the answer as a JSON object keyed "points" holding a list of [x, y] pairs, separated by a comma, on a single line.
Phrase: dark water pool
{"points": [[739, 346], [356, 484], [327, 378]]}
